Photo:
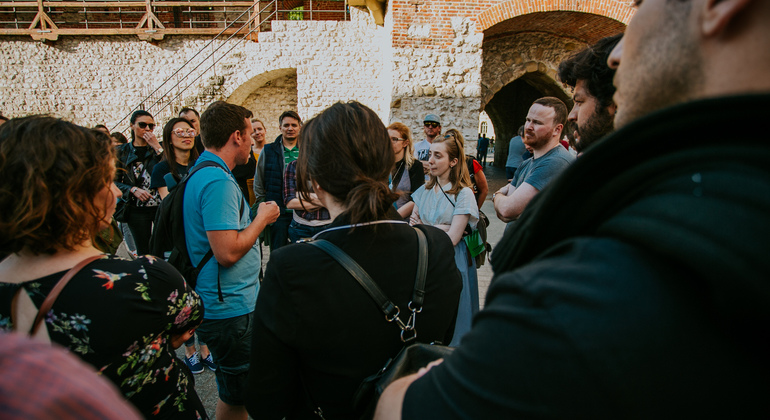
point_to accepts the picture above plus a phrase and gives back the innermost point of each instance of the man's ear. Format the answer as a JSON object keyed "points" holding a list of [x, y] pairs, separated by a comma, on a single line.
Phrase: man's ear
{"points": [[560, 129], [719, 13], [612, 109], [236, 137]]}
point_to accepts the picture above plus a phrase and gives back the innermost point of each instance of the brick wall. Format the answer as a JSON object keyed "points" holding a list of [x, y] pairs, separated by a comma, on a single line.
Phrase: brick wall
{"points": [[427, 23]]}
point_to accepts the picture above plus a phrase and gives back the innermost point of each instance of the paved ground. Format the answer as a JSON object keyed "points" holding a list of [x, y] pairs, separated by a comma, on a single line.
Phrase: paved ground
{"points": [[205, 383]]}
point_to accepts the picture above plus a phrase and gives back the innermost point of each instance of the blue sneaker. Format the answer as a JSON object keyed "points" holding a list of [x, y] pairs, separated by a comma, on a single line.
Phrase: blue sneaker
{"points": [[209, 363], [193, 362]]}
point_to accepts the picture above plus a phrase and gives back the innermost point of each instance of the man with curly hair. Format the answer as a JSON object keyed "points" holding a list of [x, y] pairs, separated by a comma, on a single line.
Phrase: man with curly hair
{"points": [[588, 75]]}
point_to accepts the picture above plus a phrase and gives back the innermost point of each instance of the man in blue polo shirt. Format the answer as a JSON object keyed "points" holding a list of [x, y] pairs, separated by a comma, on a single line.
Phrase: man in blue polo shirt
{"points": [[217, 218], [268, 180]]}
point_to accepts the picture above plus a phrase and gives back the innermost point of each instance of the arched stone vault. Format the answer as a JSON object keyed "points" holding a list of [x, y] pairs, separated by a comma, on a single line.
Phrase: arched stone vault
{"points": [[245, 89], [619, 10], [524, 44]]}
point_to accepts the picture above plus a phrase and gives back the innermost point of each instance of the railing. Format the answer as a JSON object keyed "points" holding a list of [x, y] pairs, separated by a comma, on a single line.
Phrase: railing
{"points": [[154, 19]]}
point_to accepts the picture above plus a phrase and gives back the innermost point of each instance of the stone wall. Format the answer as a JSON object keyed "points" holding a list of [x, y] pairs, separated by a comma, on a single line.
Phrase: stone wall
{"points": [[269, 101], [445, 82], [99, 80], [446, 57]]}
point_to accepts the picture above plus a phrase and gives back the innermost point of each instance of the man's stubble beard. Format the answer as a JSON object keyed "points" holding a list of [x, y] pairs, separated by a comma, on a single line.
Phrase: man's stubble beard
{"points": [[598, 125]]}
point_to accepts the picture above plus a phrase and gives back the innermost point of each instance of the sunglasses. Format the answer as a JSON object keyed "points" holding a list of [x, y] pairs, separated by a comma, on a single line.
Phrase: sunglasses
{"points": [[181, 132], [396, 139], [432, 124], [144, 125]]}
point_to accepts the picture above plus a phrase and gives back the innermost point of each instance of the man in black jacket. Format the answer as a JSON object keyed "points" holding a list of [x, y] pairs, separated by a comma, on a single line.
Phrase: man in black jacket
{"points": [[268, 179], [590, 78], [652, 299]]}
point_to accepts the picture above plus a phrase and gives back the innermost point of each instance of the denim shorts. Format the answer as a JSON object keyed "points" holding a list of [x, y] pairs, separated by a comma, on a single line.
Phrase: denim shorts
{"points": [[229, 340]]}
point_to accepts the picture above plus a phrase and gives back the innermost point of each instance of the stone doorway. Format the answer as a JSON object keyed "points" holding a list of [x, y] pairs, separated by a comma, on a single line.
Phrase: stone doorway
{"points": [[267, 96], [522, 51], [509, 106]]}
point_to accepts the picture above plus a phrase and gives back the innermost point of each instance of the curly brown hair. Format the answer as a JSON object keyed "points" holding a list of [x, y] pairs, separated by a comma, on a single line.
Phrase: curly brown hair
{"points": [[50, 174]]}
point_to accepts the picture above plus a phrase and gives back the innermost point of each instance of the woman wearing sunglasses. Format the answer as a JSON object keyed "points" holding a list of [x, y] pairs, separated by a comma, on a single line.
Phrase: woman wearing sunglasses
{"points": [[446, 201], [136, 161], [179, 155]]}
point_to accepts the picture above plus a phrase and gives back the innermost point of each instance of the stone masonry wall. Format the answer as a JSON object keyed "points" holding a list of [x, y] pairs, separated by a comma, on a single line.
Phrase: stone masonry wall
{"points": [[269, 101], [92, 80], [445, 82]]}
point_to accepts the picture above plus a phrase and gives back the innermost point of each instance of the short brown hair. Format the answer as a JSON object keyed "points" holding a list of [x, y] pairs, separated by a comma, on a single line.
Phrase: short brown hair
{"points": [[560, 116], [220, 120], [50, 173]]}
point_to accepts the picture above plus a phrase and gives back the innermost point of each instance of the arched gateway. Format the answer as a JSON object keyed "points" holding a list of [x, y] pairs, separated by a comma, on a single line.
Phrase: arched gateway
{"points": [[523, 46]]}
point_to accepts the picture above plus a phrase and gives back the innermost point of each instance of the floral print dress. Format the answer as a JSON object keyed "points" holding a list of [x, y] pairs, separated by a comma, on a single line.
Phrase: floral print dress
{"points": [[118, 315]]}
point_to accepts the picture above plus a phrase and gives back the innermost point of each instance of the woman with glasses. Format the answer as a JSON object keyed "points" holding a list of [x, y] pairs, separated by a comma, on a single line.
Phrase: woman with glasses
{"points": [[179, 155], [123, 317], [317, 333], [446, 201], [405, 177], [136, 160]]}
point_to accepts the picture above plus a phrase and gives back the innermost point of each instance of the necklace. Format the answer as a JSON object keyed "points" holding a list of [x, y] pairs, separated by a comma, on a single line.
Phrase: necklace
{"points": [[398, 169]]}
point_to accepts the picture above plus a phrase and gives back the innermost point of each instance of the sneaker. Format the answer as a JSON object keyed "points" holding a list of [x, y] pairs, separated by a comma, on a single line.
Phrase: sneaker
{"points": [[193, 362], [209, 363]]}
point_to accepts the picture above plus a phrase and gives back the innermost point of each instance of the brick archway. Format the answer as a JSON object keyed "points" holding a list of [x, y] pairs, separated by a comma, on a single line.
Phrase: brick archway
{"points": [[613, 9]]}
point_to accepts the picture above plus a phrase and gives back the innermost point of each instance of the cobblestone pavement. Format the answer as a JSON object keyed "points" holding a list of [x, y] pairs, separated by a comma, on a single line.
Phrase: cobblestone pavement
{"points": [[205, 383]]}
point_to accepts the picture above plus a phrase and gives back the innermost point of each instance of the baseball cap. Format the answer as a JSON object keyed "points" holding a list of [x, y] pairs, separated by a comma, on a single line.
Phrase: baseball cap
{"points": [[432, 118]]}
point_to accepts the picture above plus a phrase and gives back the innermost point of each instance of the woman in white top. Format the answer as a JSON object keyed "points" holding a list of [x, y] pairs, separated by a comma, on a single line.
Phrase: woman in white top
{"points": [[446, 201]]}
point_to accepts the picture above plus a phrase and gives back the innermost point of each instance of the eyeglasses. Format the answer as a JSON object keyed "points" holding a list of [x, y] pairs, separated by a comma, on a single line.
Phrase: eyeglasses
{"points": [[144, 125], [181, 132], [432, 124], [396, 139]]}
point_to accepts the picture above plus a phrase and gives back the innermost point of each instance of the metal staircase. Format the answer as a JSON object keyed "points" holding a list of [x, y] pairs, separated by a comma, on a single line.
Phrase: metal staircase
{"points": [[166, 99]]}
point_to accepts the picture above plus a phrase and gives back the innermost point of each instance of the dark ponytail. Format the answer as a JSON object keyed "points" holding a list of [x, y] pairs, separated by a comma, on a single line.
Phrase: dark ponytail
{"points": [[346, 150]]}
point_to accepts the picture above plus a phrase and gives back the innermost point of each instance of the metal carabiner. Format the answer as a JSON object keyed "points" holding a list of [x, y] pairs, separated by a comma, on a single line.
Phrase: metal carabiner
{"points": [[408, 339], [417, 310]]}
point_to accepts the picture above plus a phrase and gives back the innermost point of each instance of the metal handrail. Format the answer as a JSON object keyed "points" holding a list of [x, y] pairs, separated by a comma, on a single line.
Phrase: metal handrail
{"points": [[168, 91]]}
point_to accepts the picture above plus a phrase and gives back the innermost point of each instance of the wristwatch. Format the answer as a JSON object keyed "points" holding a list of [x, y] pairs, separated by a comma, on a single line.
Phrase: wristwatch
{"points": [[159, 151]]}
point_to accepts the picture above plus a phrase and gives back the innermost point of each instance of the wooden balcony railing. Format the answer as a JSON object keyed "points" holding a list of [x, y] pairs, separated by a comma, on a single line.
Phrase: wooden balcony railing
{"points": [[154, 19]]}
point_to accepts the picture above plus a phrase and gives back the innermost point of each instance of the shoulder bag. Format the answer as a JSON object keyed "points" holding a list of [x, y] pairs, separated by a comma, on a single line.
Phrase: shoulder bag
{"points": [[412, 356]]}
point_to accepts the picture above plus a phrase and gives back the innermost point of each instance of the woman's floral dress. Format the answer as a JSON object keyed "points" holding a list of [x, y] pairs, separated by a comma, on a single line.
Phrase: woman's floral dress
{"points": [[118, 315]]}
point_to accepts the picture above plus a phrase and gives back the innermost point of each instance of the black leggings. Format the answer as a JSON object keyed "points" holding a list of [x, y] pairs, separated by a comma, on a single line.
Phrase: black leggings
{"points": [[140, 221]]}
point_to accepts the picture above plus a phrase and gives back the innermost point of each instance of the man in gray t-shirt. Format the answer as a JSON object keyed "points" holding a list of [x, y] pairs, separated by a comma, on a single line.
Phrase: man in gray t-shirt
{"points": [[545, 122], [516, 151]]}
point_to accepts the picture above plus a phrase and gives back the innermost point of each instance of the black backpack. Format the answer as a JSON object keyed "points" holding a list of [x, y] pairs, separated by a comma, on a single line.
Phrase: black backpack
{"points": [[168, 233]]}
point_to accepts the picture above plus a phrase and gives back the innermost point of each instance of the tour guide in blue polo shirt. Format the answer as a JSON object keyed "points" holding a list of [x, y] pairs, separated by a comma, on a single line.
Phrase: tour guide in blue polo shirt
{"points": [[217, 217]]}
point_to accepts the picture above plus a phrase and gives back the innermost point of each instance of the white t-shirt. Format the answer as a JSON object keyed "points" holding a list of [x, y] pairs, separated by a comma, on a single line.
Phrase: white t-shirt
{"points": [[422, 150]]}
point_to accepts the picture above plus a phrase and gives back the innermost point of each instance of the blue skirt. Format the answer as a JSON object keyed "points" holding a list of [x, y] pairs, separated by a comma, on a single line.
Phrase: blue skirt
{"points": [[469, 297]]}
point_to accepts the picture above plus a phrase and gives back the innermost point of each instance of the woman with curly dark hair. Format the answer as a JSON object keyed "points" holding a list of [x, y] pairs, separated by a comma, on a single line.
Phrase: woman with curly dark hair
{"points": [[123, 317]]}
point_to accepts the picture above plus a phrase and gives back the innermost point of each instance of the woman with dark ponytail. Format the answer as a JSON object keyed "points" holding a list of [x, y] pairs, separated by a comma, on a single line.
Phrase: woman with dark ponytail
{"points": [[315, 327]]}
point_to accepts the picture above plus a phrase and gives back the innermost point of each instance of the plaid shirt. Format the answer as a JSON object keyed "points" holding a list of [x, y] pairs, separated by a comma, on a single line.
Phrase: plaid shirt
{"points": [[290, 193]]}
